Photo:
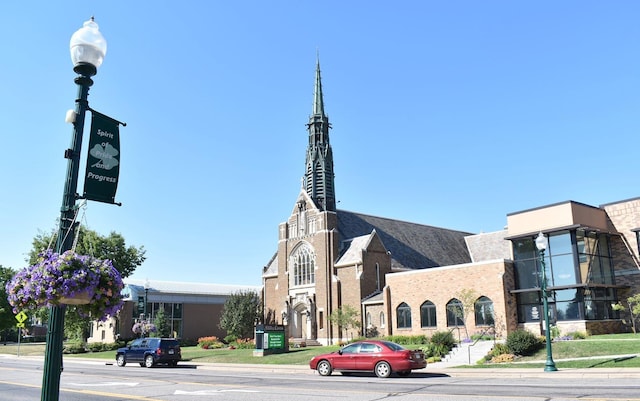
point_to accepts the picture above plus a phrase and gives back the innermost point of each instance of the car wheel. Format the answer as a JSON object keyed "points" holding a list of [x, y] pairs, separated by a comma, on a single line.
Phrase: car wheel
{"points": [[404, 373], [324, 368], [173, 363], [148, 361], [120, 360], [383, 369]]}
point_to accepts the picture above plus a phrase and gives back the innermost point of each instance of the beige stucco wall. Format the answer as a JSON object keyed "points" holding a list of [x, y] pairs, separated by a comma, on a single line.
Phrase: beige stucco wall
{"points": [[556, 216]]}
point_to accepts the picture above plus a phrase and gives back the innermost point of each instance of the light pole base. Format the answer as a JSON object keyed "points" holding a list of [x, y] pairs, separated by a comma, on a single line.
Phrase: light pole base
{"points": [[550, 367]]}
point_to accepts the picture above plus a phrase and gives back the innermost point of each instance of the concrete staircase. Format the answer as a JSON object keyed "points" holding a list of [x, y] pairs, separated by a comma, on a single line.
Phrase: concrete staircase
{"points": [[464, 354], [304, 342]]}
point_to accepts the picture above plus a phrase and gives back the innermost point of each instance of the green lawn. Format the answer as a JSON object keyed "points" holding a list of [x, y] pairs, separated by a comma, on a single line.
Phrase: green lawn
{"points": [[607, 345]]}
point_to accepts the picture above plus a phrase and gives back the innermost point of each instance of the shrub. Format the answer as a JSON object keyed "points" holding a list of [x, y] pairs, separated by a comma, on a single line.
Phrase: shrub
{"points": [[246, 343], [230, 338], [209, 342], [502, 358], [498, 349], [444, 338], [577, 335], [483, 337], [74, 348], [523, 342], [95, 347], [436, 350]]}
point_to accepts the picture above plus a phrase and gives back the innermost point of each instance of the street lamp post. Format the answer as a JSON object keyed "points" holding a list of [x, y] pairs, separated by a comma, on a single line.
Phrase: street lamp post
{"points": [[147, 285], [541, 244], [88, 49]]}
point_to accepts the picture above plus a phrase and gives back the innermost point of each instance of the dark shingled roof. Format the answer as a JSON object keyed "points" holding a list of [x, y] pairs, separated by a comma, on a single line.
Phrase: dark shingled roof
{"points": [[412, 246]]}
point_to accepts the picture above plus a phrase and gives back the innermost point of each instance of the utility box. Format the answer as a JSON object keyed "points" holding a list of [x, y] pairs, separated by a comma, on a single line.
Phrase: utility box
{"points": [[270, 339]]}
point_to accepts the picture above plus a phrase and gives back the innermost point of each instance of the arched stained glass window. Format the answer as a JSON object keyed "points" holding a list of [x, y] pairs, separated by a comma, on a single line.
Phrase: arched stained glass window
{"points": [[304, 262]]}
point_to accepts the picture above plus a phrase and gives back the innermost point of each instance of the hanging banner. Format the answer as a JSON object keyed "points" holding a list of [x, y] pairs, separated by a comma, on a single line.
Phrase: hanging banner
{"points": [[103, 160]]}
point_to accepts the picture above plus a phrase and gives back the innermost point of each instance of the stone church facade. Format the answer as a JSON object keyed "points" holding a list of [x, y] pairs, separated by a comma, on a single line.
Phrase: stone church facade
{"points": [[409, 278]]}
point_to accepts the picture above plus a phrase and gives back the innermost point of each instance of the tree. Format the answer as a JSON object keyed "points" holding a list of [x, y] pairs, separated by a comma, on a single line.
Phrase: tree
{"points": [[163, 326], [346, 317], [241, 311], [113, 247], [633, 303], [7, 318], [467, 298]]}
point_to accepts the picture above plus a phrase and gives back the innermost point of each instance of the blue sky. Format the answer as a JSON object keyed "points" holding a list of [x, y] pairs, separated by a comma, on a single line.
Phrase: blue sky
{"points": [[451, 114]]}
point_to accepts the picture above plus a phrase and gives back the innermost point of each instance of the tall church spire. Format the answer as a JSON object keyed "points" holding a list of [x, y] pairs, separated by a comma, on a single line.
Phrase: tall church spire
{"points": [[318, 179]]}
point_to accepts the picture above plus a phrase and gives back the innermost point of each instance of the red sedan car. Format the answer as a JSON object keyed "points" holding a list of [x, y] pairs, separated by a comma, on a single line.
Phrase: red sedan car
{"points": [[380, 357]]}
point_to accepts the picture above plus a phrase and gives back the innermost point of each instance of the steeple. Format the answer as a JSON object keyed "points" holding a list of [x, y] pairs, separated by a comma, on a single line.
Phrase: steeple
{"points": [[318, 179]]}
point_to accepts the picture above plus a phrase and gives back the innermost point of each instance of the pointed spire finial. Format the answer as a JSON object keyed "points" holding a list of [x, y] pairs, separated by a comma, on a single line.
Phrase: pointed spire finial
{"points": [[318, 102]]}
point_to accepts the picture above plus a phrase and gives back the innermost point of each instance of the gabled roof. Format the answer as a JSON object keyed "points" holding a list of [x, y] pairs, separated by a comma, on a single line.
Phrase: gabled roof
{"points": [[353, 254], [412, 246]]}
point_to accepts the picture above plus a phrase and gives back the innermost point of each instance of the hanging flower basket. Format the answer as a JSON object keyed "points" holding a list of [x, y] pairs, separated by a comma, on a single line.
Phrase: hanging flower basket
{"points": [[142, 328], [93, 286]]}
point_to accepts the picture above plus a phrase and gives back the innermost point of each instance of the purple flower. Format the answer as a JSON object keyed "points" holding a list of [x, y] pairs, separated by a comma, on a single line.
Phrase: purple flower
{"points": [[55, 276]]}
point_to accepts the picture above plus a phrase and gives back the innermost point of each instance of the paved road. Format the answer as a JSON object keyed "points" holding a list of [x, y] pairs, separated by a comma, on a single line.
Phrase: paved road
{"points": [[91, 380]]}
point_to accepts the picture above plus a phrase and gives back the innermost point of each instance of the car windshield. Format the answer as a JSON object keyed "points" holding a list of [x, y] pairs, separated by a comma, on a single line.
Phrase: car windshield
{"points": [[393, 346]]}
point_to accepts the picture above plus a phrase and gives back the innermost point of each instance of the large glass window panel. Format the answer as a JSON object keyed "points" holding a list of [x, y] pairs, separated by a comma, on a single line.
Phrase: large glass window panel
{"points": [[526, 275], [603, 245], [568, 310], [177, 311], [607, 270], [560, 244], [524, 248], [564, 272]]}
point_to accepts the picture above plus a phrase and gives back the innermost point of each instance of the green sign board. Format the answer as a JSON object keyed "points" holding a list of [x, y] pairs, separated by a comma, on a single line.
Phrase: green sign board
{"points": [[275, 340]]}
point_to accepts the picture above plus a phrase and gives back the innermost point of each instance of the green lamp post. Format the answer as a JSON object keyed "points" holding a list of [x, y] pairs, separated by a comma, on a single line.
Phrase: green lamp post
{"points": [[88, 49], [541, 244]]}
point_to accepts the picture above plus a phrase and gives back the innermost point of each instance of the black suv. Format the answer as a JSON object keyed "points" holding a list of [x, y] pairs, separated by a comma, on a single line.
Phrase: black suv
{"points": [[150, 351]]}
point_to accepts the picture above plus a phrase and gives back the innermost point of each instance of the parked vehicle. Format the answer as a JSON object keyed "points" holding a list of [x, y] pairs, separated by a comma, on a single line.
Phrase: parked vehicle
{"points": [[380, 357], [150, 352]]}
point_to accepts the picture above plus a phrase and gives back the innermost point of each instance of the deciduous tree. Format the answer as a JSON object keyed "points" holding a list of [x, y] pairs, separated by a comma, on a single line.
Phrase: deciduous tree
{"points": [[346, 317], [241, 311]]}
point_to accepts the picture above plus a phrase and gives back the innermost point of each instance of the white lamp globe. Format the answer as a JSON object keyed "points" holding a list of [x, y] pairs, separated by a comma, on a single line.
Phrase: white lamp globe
{"points": [[88, 48]]}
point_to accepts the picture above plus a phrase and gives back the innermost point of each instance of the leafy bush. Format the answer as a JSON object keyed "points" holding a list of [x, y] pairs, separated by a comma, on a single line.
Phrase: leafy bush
{"points": [[444, 338], [246, 343], [483, 337], [503, 358], [95, 347], [210, 342], [436, 350], [74, 348], [230, 339], [577, 335], [498, 349], [523, 342]]}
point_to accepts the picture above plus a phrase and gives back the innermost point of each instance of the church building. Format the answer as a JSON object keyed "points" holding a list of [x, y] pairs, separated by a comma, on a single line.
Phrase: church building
{"points": [[409, 278]]}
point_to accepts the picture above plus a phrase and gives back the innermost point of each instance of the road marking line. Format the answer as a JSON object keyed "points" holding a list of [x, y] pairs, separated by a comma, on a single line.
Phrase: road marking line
{"points": [[91, 392], [105, 384], [212, 392]]}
